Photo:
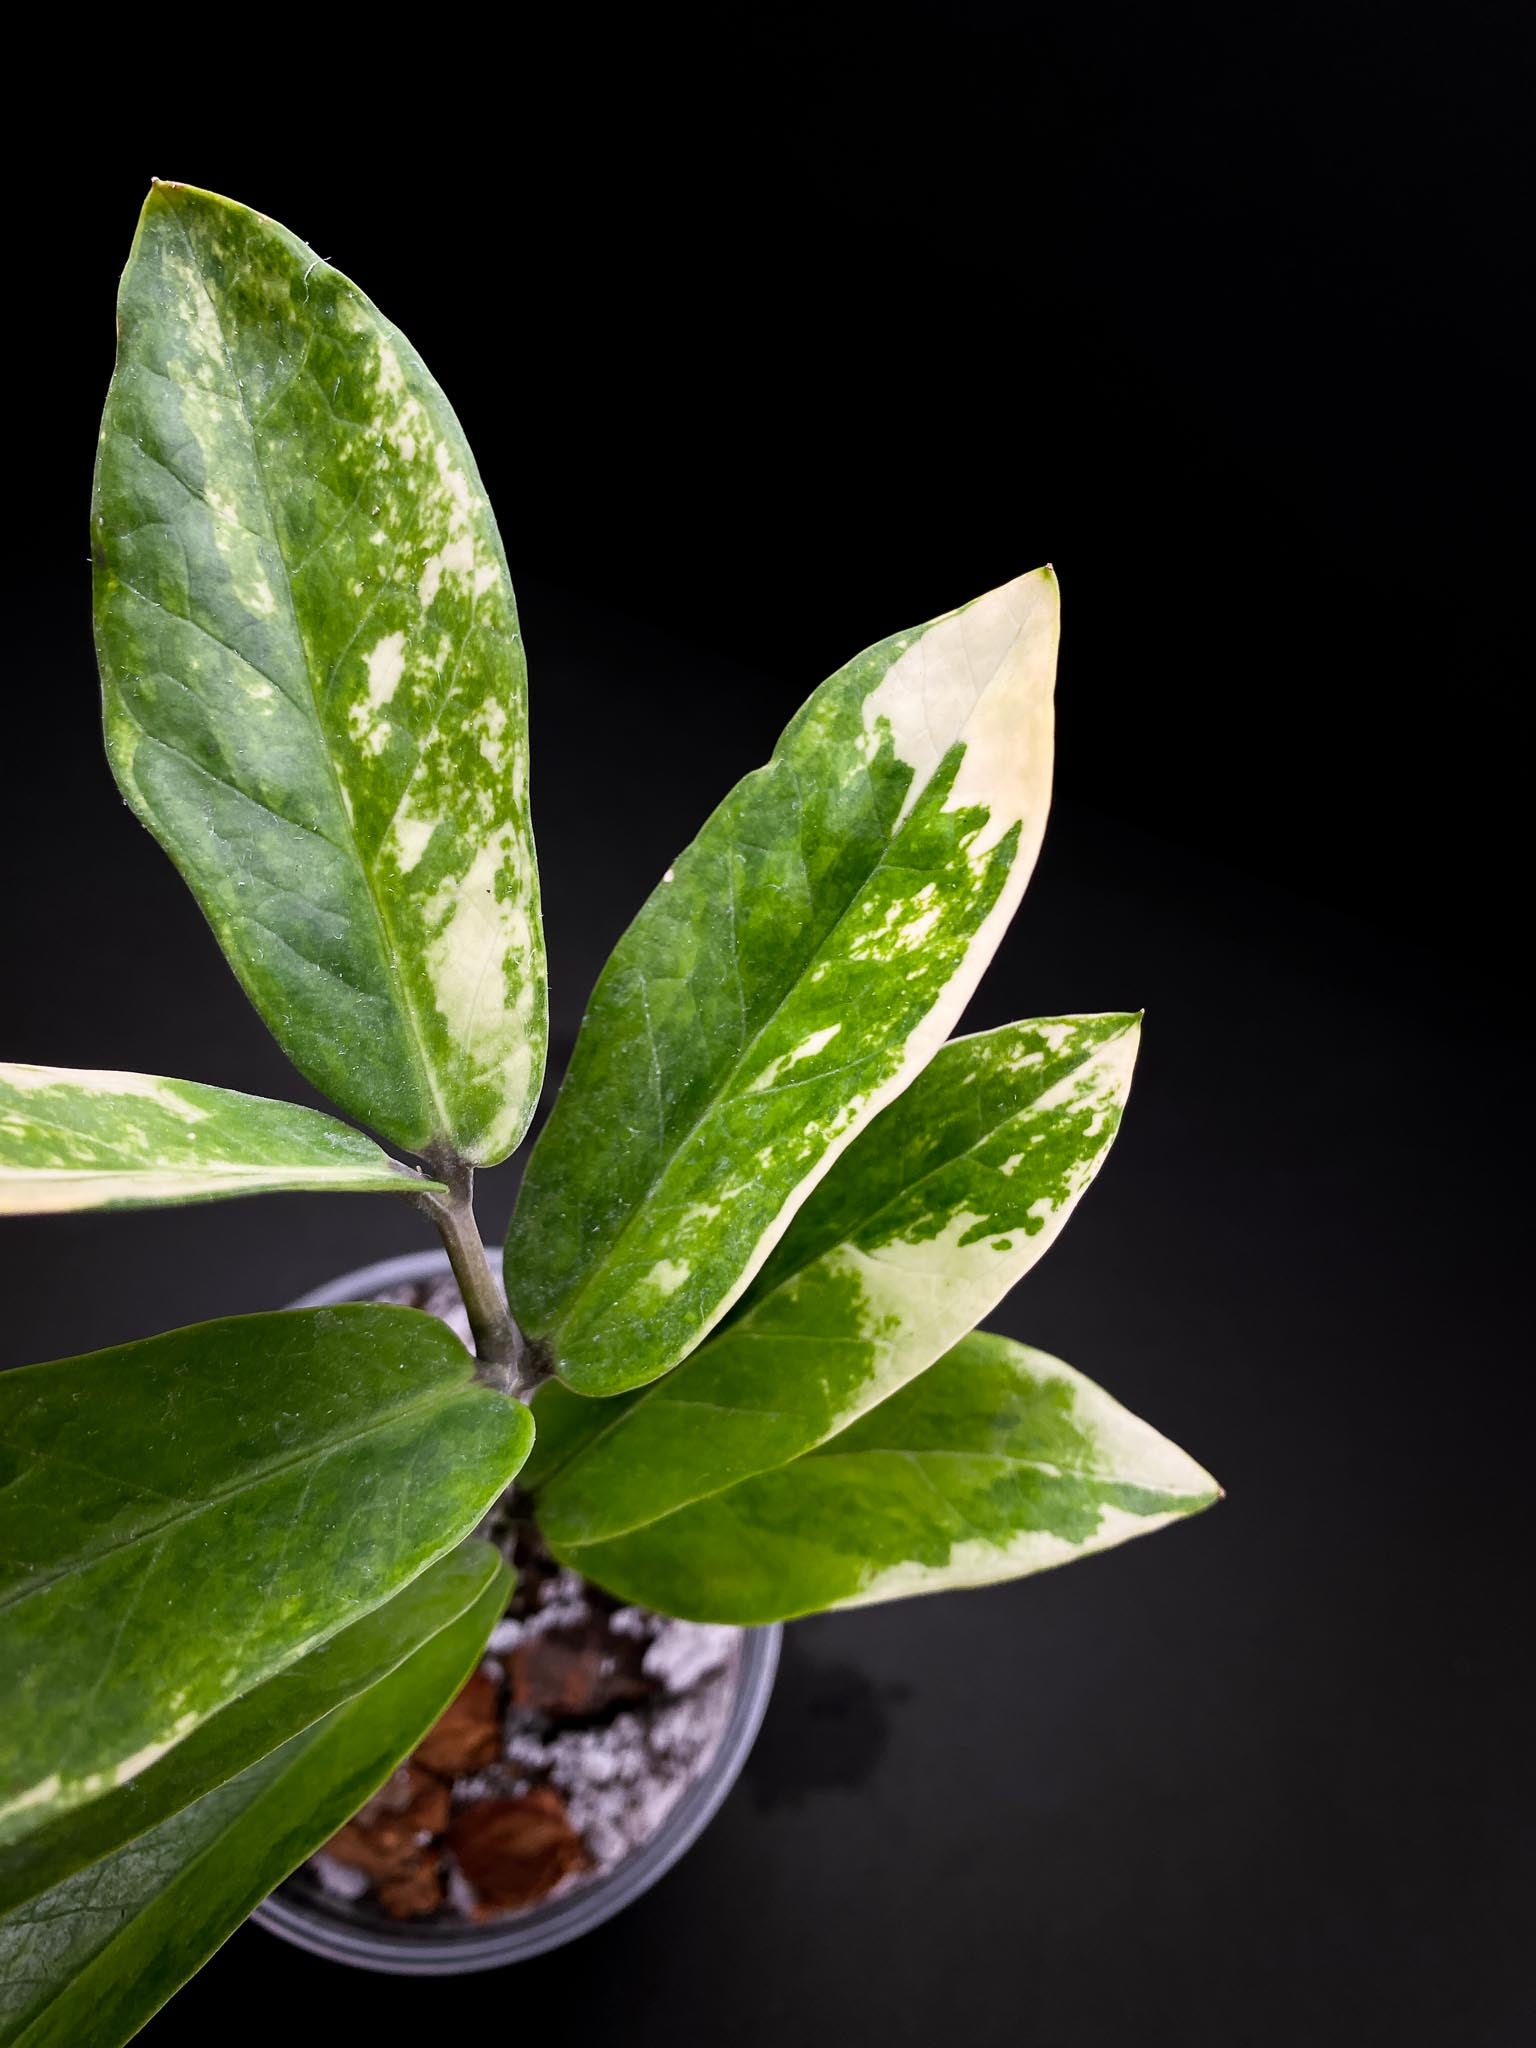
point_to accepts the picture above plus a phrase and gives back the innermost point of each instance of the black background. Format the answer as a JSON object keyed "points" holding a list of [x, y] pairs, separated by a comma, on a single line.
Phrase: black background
{"points": [[772, 339]]}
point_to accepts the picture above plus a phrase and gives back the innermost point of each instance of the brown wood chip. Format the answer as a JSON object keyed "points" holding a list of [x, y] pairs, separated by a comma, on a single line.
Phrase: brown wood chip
{"points": [[468, 1733], [513, 1851]]}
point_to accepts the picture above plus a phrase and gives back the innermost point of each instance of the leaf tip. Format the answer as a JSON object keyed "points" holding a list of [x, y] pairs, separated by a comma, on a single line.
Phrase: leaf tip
{"points": [[1041, 582], [164, 192], [1210, 1494]]}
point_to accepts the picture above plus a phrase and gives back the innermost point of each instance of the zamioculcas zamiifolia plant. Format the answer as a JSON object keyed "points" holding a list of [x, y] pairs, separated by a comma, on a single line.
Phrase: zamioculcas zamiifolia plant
{"points": [[238, 1569]]}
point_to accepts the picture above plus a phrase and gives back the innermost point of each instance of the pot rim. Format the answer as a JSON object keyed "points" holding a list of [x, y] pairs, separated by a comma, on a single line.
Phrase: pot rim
{"points": [[453, 1951]]}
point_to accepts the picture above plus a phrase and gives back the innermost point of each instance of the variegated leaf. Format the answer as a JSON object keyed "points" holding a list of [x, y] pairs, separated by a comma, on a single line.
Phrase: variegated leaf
{"points": [[313, 679], [996, 1462], [85, 1964], [183, 1518], [922, 1226], [72, 1138], [361, 1655], [798, 965]]}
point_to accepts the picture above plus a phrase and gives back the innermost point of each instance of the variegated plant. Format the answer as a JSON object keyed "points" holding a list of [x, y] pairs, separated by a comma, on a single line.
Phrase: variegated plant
{"points": [[771, 1203]]}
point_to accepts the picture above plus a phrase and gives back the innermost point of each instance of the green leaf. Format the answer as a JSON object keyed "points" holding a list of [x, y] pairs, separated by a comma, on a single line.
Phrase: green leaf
{"points": [[996, 1462], [72, 1138], [183, 1517], [927, 1220], [793, 971], [91, 1960], [314, 684], [252, 1727]]}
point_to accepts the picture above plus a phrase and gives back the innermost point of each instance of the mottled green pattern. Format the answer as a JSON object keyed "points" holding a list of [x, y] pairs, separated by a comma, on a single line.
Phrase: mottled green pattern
{"points": [[87, 1963], [183, 1517], [75, 1138], [254, 1725], [921, 1227], [798, 965], [313, 678], [996, 1462]]}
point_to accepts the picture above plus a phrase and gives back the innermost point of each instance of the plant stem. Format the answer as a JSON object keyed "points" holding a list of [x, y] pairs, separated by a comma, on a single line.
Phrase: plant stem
{"points": [[500, 1347]]}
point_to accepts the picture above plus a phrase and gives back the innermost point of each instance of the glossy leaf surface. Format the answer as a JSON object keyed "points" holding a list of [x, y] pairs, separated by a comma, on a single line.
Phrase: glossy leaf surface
{"points": [[314, 683], [87, 1963], [73, 1138], [922, 1226], [996, 1462], [184, 1517], [795, 969], [253, 1726]]}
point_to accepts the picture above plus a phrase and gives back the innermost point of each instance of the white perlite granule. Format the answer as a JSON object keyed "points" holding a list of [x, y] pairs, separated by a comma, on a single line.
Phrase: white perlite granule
{"points": [[461, 1893], [621, 1781], [681, 1652], [339, 1879], [562, 1604]]}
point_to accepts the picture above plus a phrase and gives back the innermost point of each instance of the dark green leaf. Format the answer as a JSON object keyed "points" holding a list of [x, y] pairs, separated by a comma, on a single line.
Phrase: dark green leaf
{"points": [[86, 1964], [252, 1727], [184, 1517]]}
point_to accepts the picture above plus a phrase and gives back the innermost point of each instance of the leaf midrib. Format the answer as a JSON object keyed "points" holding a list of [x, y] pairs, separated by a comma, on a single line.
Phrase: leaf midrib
{"points": [[724, 1091], [304, 1740], [132, 1917], [384, 1668], [870, 1217], [369, 1157], [661, 1388], [1045, 1466], [196, 1169], [251, 1479], [385, 932]]}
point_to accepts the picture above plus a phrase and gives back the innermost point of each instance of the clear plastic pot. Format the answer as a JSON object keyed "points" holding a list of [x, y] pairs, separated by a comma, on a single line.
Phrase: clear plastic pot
{"points": [[301, 1912]]}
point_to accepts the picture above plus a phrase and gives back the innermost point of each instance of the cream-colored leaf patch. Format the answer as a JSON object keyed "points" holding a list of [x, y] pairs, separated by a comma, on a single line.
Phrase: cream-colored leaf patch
{"points": [[925, 1223], [79, 1139], [311, 655], [801, 964]]}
